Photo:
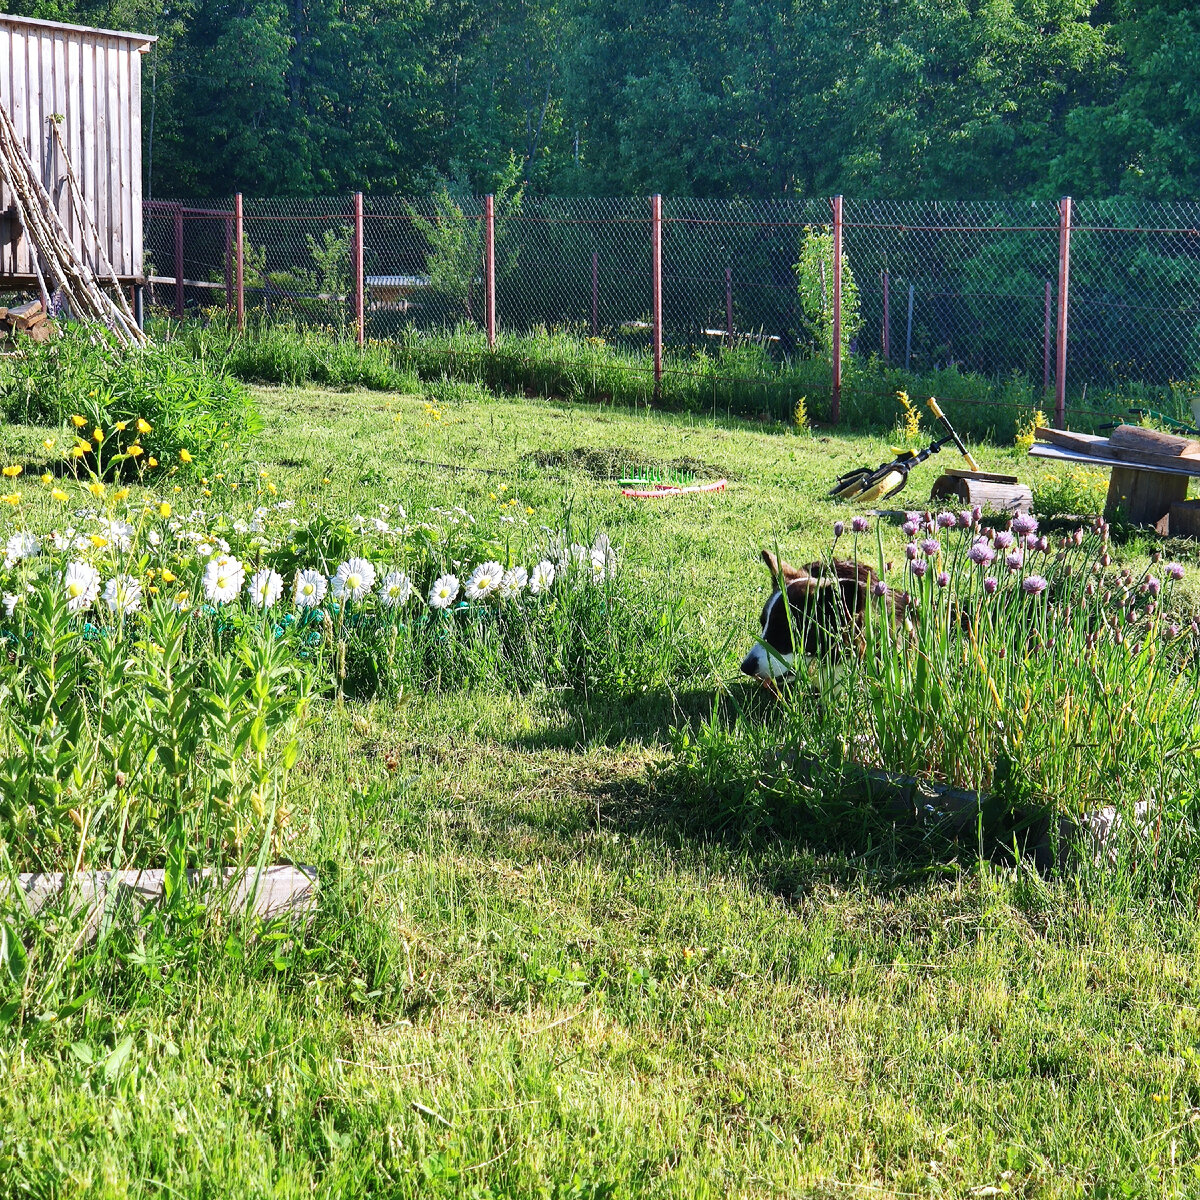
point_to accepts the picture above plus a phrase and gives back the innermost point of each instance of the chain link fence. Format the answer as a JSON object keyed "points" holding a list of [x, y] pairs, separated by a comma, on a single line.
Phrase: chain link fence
{"points": [[961, 288]]}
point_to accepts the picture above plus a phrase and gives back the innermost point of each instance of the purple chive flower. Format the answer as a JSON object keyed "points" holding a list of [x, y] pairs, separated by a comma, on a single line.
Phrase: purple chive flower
{"points": [[965, 520], [1174, 572], [930, 547], [910, 528], [911, 551], [943, 579], [1013, 561], [918, 567], [1023, 523], [1153, 585], [981, 553], [1077, 536], [990, 584], [1031, 541], [946, 520], [860, 525], [1004, 539], [879, 589], [1172, 631], [1033, 585], [839, 527]]}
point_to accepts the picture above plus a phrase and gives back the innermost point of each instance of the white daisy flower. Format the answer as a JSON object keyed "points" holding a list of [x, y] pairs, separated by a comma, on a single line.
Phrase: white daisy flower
{"points": [[123, 594], [542, 579], [513, 583], [310, 588], [10, 603], [81, 583], [223, 579], [266, 586], [21, 544], [354, 579], [119, 533], [444, 591], [204, 550], [483, 581], [395, 590]]}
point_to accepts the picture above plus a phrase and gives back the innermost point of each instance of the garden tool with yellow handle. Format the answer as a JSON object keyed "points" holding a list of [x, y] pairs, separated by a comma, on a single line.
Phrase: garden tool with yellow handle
{"points": [[865, 486]]}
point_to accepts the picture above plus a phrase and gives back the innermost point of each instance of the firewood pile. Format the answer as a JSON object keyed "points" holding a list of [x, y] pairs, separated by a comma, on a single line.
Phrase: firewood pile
{"points": [[92, 295], [29, 320]]}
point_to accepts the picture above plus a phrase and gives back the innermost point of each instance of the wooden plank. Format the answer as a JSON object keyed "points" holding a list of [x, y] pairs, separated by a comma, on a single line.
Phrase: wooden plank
{"points": [[1134, 437], [116, 165], [1101, 447], [1144, 497], [280, 891], [137, 232], [1187, 466]]}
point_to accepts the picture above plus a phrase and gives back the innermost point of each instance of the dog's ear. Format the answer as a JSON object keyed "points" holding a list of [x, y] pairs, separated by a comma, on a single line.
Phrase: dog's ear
{"points": [[776, 567]]}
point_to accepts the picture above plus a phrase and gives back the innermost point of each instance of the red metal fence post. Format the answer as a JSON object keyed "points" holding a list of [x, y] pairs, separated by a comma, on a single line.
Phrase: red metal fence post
{"points": [[729, 303], [359, 279], [1046, 322], [239, 262], [1064, 278], [835, 408], [489, 267], [656, 286], [179, 262], [887, 319], [595, 293]]}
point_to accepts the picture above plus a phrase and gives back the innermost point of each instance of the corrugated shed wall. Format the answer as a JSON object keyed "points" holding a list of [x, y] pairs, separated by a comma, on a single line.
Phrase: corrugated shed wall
{"points": [[92, 78]]}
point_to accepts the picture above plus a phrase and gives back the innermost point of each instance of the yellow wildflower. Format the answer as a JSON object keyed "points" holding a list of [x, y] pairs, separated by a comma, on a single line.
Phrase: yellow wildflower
{"points": [[185, 456], [97, 435], [47, 477], [12, 472], [79, 421], [143, 426], [123, 494], [80, 450], [13, 498], [49, 443], [98, 541], [134, 450], [164, 509], [152, 461], [168, 576], [96, 488], [59, 495], [120, 426]]}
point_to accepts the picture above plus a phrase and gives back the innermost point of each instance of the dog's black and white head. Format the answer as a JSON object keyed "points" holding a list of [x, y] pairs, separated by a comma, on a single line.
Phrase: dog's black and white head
{"points": [[819, 606]]}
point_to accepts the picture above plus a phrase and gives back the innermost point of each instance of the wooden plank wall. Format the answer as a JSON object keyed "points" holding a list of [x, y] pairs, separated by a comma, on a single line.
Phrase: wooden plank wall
{"points": [[92, 78]]}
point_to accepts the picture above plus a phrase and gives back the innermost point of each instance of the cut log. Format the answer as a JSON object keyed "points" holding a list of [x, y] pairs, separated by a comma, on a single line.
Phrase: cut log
{"points": [[23, 312], [1095, 446], [1144, 497], [1184, 520], [1152, 441], [970, 488]]}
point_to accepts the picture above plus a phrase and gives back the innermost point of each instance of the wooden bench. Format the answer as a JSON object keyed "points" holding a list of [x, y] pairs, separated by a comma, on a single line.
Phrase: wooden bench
{"points": [[1150, 472]]}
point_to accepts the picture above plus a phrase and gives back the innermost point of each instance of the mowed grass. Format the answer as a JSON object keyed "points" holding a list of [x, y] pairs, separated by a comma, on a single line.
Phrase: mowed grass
{"points": [[534, 972]]}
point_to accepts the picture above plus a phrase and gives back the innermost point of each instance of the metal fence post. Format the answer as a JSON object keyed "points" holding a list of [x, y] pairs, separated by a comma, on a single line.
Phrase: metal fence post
{"points": [[656, 286], [595, 293], [239, 261], [908, 334], [1046, 320], [179, 262], [887, 320], [1064, 279], [489, 268], [835, 410], [729, 303], [359, 280]]}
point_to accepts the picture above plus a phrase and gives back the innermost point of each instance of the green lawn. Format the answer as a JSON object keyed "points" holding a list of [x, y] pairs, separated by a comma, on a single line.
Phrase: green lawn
{"points": [[534, 973]]}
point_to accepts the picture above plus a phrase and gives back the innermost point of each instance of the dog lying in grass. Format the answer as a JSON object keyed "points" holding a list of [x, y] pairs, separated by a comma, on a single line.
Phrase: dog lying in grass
{"points": [[825, 610]]}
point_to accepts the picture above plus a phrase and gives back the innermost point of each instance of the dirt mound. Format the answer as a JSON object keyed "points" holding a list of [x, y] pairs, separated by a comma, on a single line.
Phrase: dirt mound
{"points": [[617, 462]]}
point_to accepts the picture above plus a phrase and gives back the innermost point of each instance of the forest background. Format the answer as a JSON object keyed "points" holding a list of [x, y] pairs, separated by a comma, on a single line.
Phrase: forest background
{"points": [[905, 99]]}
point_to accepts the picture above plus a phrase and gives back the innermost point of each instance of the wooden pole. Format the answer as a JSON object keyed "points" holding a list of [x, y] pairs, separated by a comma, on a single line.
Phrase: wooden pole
{"points": [[595, 293], [1064, 279], [359, 279], [1046, 322], [179, 262], [656, 286], [489, 267], [836, 406], [887, 319], [239, 261]]}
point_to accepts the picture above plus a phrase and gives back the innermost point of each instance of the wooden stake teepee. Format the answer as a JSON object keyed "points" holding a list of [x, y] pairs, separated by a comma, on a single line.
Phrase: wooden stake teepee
{"points": [[56, 262]]}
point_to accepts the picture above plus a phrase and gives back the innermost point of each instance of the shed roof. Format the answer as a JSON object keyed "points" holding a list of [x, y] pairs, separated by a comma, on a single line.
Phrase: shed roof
{"points": [[145, 40]]}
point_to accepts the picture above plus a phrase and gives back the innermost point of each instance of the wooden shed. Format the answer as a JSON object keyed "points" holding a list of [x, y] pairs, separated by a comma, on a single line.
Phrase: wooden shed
{"points": [[92, 80]]}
